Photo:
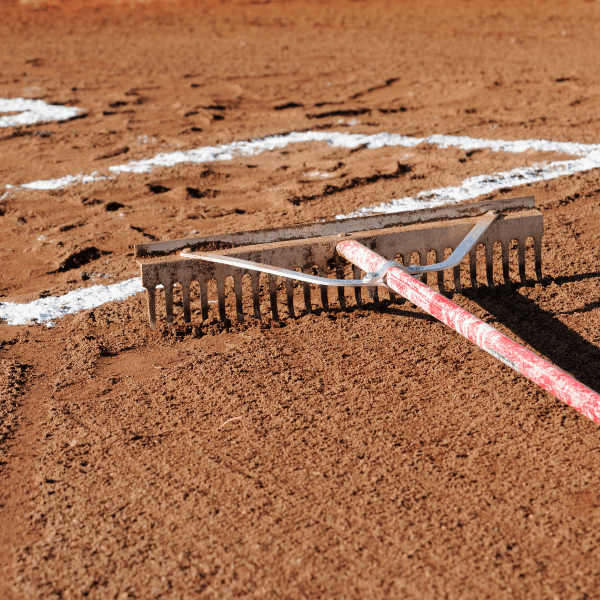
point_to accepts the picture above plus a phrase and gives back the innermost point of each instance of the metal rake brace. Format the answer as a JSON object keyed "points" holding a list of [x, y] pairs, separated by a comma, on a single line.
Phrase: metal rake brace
{"points": [[369, 280]]}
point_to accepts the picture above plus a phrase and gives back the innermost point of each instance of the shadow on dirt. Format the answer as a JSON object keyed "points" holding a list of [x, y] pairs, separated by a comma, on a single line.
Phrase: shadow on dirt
{"points": [[544, 332], [400, 308]]}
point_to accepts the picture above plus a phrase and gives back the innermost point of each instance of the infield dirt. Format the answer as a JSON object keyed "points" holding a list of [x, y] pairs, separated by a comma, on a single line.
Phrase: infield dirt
{"points": [[362, 454]]}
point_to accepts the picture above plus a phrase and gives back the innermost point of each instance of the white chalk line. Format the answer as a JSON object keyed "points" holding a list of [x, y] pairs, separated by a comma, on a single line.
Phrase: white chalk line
{"points": [[480, 185], [47, 309], [31, 112], [227, 152]]}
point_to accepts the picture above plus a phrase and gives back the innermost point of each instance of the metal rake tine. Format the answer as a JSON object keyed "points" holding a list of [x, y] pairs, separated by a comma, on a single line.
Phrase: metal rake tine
{"points": [[473, 267], [339, 273], [221, 297], [374, 292], [521, 251], [457, 284], [423, 261], [256, 294], [167, 283], [289, 289], [323, 271], [489, 263], [151, 292], [185, 299], [203, 299], [439, 257], [273, 296], [169, 303], [375, 296], [505, 264], [306, 292], [239, 306], [324, 291]]}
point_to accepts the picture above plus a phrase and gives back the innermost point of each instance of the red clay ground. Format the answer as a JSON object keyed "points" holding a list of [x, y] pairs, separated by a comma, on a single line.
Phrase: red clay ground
{"points": [[368, 453]]}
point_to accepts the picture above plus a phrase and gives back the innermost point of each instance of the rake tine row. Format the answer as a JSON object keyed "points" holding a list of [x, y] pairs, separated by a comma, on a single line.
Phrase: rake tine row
{"points": [[311, 248], [183, 277]]}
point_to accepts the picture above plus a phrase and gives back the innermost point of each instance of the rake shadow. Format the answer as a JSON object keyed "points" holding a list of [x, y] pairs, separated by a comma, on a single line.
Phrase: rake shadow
{"points": [[369, 306], [544, 332]]}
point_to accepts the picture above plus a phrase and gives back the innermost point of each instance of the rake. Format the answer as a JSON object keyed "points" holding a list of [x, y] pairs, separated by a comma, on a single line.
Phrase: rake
{"points": [[373, 245], [311, 248]]}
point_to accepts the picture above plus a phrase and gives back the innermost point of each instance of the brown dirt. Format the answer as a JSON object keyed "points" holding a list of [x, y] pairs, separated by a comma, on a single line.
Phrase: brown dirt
{"points": [[368, 453]]}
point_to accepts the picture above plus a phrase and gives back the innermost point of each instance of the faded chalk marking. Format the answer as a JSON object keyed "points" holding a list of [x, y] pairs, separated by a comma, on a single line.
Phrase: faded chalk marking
{"points": [[227, 152], [30, 112], [482, 184], [63, 182], [45, 310]]}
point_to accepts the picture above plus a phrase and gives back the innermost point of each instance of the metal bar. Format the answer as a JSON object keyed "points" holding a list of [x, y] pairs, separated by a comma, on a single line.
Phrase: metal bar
{"points": [[422, 263], [221, 297], [439, 254], [489, 264], [537, 244], [374, 293], [203, 299], [357, 290], [169, 302], [457, 284], [324, 296], [338, 226], [306, 293], [278, 271], [512, 354], [339, 271], [462, 249], [453, 260]]}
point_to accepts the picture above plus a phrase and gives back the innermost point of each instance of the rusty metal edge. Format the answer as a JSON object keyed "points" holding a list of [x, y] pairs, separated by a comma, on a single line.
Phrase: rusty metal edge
{"points": [[336, 226]]}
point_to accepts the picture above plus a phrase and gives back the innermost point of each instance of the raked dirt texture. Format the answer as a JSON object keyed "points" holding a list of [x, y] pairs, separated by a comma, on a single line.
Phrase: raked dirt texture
{"points": [[366, 453]]}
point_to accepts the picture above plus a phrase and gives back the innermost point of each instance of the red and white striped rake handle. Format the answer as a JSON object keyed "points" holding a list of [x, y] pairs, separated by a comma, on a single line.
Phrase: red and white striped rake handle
{"points": [[525, 362]]}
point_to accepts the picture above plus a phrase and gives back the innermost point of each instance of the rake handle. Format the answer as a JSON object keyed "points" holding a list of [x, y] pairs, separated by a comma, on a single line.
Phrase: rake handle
{"points": [[525, 362]]}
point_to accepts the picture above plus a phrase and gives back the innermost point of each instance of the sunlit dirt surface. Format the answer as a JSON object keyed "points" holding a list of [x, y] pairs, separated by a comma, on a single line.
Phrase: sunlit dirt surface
{"points": [[368, 453]]}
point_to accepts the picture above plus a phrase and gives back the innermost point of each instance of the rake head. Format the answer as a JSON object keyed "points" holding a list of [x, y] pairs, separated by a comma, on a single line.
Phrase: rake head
{"points": [[311, 249]]}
